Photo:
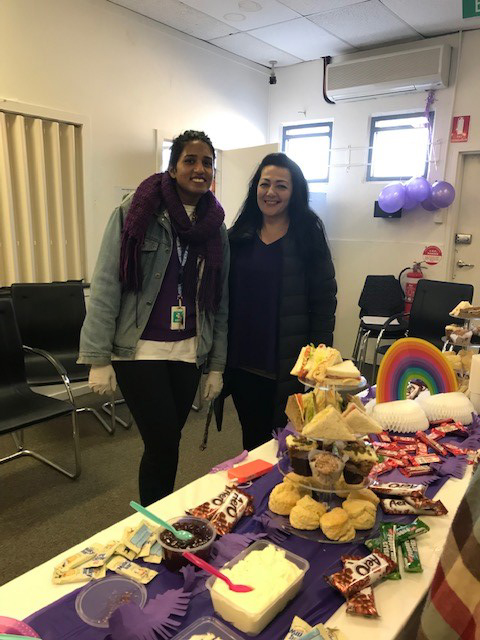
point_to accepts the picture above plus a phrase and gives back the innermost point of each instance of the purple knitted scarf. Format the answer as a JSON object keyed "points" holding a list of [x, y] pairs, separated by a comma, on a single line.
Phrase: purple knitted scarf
{"points": [[203, 237]]}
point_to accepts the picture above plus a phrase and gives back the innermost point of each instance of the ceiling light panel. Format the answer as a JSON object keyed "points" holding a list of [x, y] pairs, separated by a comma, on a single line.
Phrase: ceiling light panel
{"points": [[179, 16], [431, 17], [303, 39], [271, 12], [365, 24], [251, 48], [309, 7]]}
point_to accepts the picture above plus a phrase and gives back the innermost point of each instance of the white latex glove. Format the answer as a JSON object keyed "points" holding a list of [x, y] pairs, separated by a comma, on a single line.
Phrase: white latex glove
{"points": [[213, 385], [102, 379]]}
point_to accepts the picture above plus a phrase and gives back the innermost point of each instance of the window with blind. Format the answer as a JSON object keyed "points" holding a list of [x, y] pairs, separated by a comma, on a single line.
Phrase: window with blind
{"points": [[42, 234]]}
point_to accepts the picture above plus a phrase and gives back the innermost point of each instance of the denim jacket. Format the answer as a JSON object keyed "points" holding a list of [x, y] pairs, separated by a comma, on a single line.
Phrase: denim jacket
{"points": [[115, 320]]}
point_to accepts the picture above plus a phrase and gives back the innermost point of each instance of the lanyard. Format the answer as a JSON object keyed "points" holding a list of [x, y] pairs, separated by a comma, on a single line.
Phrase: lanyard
{"points": [[182, 258]]}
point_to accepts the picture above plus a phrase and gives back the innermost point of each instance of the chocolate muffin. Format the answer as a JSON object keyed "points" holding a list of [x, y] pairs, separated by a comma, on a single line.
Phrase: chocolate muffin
{"points": [[298, 448]]}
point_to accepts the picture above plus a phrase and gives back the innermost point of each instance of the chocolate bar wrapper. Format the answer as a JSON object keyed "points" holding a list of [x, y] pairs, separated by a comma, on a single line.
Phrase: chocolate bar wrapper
{"points": [[413, 471], [453, 428], [424, 459], [429, 507], [237, 504], [383, 437], [411, 557], [439, 423], [433, 444], [209, 508], [455, 451], [404, 507], [363, 602], [384, 467], [361, 573], [412, 530], [397, 488], [404, 439], [422, 449], [389, 547]]}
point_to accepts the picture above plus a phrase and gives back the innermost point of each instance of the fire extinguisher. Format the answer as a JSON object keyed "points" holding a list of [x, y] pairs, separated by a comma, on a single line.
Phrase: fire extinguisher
{"points": [[411, 280]]}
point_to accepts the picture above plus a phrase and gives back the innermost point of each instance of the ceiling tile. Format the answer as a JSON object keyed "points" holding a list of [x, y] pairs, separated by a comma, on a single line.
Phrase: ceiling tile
{"points": [[271, 11], [303, 39], [365, 24], [179, 16], [309, 7], [245, 45], [431, 17]]}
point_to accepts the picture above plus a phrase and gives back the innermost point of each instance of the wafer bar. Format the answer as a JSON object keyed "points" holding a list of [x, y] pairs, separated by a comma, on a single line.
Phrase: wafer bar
{"points": [[426, 458], [361, 573], [209, 508], [237, 504], [404, 439], [454, 428], [414, 470], [436, 446], [384, 437]]}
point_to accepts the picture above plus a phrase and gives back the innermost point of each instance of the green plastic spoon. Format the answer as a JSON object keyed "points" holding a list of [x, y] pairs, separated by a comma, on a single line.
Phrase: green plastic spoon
{"points": [[185, 536]]}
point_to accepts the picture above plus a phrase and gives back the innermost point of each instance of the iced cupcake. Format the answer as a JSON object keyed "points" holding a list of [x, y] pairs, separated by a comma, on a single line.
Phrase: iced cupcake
{"points": [[298, 449]]}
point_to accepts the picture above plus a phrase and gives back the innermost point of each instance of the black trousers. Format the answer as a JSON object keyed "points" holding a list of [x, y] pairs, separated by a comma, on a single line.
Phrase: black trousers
{"points": [[254, 400], [159, 395]]}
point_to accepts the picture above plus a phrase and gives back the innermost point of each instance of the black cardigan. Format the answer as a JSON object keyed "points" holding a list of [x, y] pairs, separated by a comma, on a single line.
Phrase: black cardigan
{"points": [[307, 310]]}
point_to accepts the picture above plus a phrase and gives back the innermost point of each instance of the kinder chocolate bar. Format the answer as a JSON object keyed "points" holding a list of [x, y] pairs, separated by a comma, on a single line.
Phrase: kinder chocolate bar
{"points": [[397, 488], [411, 557], [210, 507], [237, 504], [424, 459], [413, 471], [436, 446], [361, 573], [412, 530]]}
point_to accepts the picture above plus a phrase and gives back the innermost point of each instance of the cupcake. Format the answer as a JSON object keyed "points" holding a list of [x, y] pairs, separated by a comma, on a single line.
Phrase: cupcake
{"points": [[361, 458], [326, 468], [298, 448]]}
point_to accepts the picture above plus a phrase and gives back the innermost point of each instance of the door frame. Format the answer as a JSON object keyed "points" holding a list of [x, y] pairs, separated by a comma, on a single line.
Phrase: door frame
{"points": [[455, 213]]}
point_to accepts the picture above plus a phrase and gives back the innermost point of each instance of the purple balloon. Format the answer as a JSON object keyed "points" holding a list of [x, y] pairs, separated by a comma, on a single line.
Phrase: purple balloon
{"points": [[443, 194], [392, 197], [428, 205], [418, 189], [409, 203]]}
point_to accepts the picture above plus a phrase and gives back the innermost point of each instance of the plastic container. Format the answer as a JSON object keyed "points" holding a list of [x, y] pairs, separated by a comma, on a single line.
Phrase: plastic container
{"points": [[98, 600], [240, 618], [172, 554], [207, 625]]}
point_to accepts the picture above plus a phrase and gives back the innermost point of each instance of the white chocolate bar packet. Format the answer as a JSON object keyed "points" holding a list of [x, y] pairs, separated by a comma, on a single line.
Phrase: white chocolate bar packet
{"points": [[131, 570], [156, 554], [139, 536], [79, 574], [299, 628], [79, 558], [103, 556]]}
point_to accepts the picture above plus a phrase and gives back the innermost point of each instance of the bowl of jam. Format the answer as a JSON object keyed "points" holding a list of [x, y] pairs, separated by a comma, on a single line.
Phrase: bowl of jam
{"points": [[203, 534]]}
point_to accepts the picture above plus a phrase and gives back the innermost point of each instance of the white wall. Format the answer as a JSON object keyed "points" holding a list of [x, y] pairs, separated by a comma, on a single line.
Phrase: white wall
{"points": [[362, 244], [126, 76]]}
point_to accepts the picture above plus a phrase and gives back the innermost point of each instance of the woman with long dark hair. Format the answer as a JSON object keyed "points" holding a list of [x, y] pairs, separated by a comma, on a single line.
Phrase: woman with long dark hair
{"points": [[159, 304], [282, 294]]}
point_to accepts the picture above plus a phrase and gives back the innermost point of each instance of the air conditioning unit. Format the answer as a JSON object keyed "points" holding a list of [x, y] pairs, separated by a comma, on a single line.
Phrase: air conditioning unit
{"points": [[413, 69]]}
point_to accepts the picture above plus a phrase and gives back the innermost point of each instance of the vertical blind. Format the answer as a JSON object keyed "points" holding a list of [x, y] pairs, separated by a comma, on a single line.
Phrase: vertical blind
{"points": [[42, 234]]}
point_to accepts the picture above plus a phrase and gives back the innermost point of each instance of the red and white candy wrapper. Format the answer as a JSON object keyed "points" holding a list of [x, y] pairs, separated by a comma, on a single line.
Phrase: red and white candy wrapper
{"points": [[422, 449], [414, 506], [237, 504], [455, 451], [453, 428], [361, 573], [384, 437], [209, 508], [436, 446], [386, 446], [426, 458], [404, 439], [391, 453], [384, 467], [435, 434], [363, 602], [413, 471], [437, 423], [398, 488]]}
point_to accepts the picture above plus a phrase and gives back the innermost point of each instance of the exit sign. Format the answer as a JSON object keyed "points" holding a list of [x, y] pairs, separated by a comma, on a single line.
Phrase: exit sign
{"points": [[471, 8]]}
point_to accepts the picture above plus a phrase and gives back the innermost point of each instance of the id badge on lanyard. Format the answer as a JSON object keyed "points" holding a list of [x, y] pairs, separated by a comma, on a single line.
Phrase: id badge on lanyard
{"points": [[178, 312]]}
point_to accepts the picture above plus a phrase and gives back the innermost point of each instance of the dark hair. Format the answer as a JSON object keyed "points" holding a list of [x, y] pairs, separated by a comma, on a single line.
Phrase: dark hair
{"points": [[178, 145], [304, 223]]}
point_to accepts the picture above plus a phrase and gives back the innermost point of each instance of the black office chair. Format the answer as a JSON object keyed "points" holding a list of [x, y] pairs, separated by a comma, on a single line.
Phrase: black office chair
{"points": [[430, 313], [20, 407], [50, 317], [382, 297]]}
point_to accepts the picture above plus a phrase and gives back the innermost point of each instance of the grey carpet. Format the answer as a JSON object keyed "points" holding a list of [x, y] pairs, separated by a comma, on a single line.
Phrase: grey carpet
{"points": [[44, 513]]}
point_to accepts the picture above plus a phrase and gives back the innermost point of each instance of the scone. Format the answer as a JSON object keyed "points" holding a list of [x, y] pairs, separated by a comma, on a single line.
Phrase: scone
{"points": [[361, 513], [364, 494], [336, 525], [299, 482], [283, 498], [306, 515]]}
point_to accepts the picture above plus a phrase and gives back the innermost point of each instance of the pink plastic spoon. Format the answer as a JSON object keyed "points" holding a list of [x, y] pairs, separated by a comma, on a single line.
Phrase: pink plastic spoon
{"points": [[239, 588]]}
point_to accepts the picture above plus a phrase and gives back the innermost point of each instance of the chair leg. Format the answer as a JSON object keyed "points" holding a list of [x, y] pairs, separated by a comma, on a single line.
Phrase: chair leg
{"points": [[108, 428], [357, 345], [107, 407], [363, 351], [374, 367], [33, 454]]}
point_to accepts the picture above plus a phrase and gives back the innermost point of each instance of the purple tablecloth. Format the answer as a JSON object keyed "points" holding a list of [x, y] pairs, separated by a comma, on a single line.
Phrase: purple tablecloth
{"points": [[316, 602]]}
